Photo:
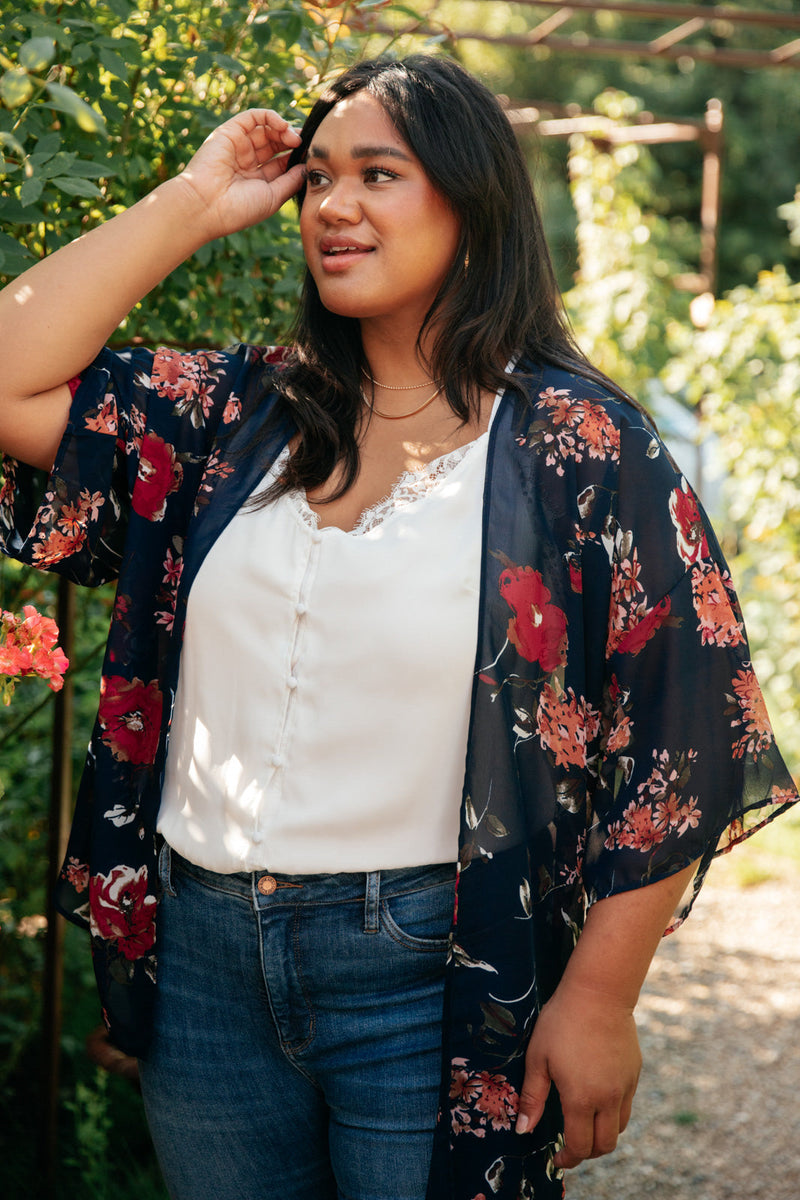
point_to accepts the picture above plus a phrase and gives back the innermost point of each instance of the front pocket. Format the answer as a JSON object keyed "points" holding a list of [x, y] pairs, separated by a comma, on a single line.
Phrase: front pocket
{"points": [[421, 919]]}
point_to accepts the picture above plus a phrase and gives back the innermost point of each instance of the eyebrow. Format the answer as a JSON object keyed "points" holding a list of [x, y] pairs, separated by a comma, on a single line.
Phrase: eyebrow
{"points": [[316, 151]]}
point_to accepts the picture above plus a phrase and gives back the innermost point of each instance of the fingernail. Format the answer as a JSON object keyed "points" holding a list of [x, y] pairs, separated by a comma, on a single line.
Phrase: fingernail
{"points": [[522, 1123]]}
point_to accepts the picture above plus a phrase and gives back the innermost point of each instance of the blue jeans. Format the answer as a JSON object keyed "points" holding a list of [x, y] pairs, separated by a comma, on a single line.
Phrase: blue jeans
{"points": [[297, 1052]]}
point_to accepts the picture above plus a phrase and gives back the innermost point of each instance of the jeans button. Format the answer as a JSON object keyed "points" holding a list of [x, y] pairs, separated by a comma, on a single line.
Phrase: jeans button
{"points": [[266, 885]]}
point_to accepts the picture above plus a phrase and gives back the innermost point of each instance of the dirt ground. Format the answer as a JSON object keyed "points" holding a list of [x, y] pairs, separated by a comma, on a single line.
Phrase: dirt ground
{"points": [[717, 1113]]}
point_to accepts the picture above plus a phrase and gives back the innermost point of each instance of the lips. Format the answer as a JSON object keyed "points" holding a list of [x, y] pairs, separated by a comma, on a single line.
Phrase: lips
{"points": [[334, 247], [339, 254]]}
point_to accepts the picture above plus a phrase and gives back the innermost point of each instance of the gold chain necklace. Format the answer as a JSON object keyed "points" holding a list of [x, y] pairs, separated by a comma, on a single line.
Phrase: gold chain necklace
{"points": [[390, 387], [401, 416]]}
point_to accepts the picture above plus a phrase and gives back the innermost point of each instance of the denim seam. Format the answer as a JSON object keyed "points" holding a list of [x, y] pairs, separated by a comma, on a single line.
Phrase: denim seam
{"points": [[290, 1049]]}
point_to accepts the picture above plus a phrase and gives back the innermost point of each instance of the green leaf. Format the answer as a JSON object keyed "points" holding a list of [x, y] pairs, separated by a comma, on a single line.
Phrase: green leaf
{"points": [[121, 7], [50, 144], [31, 190], [14, 258], [14, 213], [81, 53], [91, 170], [57, 164], [37, 53], [75, 187], [65, 100], [16, 87], [113, 63]]}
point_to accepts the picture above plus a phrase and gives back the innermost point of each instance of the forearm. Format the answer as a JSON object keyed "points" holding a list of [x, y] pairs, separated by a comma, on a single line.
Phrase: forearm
{"points": [[621, 936], [585, 1038], [58, 315]]}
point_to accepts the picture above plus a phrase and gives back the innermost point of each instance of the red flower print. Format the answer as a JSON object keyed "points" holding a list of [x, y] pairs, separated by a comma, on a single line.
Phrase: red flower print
{"points": [[691, 535], [130, 717], [753, 715], [565, 724], [575, 572], [121, 911], [538, 629], [631, 641], [159, 475], [717, 620]]}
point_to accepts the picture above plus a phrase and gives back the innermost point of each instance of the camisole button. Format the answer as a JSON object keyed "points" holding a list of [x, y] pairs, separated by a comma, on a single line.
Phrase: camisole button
{"points": [[291, 682], [276, 760], [301, 609]]}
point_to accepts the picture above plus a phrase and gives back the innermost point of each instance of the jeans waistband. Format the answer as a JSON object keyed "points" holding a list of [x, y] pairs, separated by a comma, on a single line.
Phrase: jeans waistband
{"points": [[334, 888]]}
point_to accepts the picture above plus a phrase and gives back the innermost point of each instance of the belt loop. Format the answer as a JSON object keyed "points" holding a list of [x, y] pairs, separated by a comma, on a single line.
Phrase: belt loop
{"points": [[372, 898], [165, 869]]}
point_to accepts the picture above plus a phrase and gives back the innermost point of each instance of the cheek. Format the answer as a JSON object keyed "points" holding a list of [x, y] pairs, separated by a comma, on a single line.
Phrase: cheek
{"points": [[306, 223]]}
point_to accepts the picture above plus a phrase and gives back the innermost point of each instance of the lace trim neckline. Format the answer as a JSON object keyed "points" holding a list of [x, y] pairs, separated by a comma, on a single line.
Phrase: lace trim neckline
{"points": [[408, 488]]}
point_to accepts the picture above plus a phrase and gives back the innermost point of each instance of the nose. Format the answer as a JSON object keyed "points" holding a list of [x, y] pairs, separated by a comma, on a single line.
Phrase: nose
{"points": [[340, 203]]}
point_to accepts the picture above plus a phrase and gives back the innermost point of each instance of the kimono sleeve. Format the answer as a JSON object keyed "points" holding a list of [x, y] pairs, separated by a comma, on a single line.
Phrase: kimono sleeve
{"points": [[687, 764], [138, 420]]}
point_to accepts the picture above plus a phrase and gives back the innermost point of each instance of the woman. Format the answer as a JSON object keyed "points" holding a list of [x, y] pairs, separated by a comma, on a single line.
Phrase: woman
{"points": [[430, 534]]}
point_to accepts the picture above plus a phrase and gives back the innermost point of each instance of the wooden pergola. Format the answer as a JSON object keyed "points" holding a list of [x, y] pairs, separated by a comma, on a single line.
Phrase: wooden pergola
{"points": [[712, 33]]}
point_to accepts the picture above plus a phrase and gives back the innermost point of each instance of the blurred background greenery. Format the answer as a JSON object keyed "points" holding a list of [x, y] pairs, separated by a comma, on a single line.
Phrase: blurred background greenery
{"points": [[100, 100]]}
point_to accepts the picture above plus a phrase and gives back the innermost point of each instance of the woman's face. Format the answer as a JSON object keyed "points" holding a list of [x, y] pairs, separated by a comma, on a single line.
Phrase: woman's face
{"points": [[378, 238]]}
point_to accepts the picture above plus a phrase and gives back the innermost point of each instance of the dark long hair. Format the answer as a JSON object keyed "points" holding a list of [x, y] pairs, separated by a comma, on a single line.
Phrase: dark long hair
{"points": [[499, 298]]}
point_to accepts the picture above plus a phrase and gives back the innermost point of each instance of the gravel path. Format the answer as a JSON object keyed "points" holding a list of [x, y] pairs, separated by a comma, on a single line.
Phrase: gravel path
{"points": [[717, 1113]]}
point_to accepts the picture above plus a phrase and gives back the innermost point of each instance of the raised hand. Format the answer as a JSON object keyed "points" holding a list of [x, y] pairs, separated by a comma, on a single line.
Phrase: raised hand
{"points": [[240, 175]]}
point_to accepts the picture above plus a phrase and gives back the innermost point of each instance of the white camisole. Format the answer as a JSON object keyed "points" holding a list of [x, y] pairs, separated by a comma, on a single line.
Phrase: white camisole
{"points": [[321, 716]]}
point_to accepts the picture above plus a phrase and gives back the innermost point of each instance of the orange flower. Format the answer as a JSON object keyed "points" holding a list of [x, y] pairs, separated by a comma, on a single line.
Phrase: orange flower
{"points": [[754, 718], [28, 647], [565, 725], [718, 623], [599, 431]]}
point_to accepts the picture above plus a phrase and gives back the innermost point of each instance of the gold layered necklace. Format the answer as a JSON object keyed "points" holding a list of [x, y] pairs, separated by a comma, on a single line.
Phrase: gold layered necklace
{"points": [[406, 387], [401, 416]]}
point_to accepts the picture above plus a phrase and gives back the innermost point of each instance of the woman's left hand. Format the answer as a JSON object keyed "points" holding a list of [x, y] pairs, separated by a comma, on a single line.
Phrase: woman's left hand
{"points": [[586, 1044]]}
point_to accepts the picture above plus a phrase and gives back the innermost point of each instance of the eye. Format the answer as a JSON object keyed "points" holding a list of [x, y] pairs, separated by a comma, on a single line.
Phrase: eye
{"points": [[379, 174], [315, 178]]}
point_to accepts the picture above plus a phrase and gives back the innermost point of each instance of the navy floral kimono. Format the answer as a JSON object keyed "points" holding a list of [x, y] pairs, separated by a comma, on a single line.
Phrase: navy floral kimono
{"points": [[617, 730]]}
